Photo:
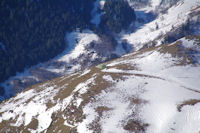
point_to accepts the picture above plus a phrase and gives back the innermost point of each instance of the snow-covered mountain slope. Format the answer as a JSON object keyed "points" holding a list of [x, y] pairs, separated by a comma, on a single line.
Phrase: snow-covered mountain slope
{"points": [[155, 90], [84, 50], [167, 21]]}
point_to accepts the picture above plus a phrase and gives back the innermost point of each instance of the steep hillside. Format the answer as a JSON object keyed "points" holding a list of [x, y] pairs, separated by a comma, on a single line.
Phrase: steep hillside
{"points": [[155, 90], [85, 50], [33, 31], [85, 45], [157, 22], [169, 20]]}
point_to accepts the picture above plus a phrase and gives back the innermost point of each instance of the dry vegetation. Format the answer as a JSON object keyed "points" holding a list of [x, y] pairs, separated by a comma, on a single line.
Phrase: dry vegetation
{"points": [[188, 102], [73, 114], [196, 8], [135, 126]]}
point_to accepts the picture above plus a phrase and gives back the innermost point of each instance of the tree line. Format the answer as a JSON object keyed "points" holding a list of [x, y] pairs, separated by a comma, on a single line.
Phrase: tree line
{"points": [[33, 31], [118, 15]]}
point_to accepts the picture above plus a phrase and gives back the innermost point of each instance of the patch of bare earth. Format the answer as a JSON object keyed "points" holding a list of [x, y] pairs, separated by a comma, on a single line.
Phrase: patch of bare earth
{"points": [[74, 114], [188, 102], [6, 127], [139, 101], [196, 8], [33, 124], [127, 66], [135, 126], [57, 124], [95, 125], [177, 50]]}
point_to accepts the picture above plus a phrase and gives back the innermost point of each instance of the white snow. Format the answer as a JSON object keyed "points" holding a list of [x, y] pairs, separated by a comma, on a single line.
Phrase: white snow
{"points": [[56, 70], [116, 99], [176, 16], [113, 70], [191, 44], [8, 83], [78, 41], [163, 97], [67, 124], [187, 120], [155, 3], [102, 3], [85, 72], [82, 87], [188, 43], [164, 86], [108, 78], [155, 62], [82, 128], [158, 81], [24, 112]]}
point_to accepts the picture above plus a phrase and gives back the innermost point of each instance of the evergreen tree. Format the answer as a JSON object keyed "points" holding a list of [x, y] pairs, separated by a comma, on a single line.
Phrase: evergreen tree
{"points": [[33, 31], [118, 15]]}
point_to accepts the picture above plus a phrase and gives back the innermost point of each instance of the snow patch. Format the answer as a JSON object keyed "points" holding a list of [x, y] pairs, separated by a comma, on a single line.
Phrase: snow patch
{"points": [[176, 16], [24, 112], [78, 41]]}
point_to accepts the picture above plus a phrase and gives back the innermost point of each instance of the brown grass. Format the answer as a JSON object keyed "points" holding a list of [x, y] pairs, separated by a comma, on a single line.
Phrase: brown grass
{"points": [[171, 49], [66, 84], [139, 101], [135, 126], [102, 109], [176, 50], [194, 9], [125, 67], [57, 124], [193, 37], [188, 102], [74, 114], [33, 124]]}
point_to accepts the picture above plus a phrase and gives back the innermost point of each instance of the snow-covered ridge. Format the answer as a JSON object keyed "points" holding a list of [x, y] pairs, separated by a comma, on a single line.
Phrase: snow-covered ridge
{"points": [[81, 54], [173, 18], [132, 94], [62, 64], [153, 90], [160, 85], [84, 49]]}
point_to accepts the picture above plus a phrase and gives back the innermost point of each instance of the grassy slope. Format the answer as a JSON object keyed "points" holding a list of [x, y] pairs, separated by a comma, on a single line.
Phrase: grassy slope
{"points": [[94, 82]]}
